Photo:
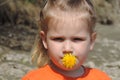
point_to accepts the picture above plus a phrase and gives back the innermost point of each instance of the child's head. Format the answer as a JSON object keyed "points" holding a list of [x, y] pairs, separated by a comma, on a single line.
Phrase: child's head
{"points": [[66, 26]]}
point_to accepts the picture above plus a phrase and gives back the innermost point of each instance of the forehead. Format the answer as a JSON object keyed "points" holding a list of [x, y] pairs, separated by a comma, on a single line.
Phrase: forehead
{"points": [[63, 20]]}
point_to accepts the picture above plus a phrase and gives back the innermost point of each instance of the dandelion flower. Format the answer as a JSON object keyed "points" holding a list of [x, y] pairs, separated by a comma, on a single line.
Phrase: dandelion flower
{"points": [[69, 60]]}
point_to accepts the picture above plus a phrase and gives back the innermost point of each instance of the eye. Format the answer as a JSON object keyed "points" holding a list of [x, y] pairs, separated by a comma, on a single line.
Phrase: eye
{"points": [[78, 39], [58, 39]]}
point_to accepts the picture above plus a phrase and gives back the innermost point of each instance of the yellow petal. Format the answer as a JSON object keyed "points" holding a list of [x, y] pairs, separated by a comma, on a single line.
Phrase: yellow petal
{"points": [[69, 60]]}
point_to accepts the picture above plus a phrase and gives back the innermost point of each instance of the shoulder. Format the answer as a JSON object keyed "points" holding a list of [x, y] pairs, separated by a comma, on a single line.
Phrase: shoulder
{"points": [[35, 74], [97, 73]]}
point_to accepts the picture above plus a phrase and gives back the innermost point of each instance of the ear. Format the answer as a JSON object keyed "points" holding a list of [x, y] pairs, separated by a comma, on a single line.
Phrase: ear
{"points": [[43, 36], [93, 38]]}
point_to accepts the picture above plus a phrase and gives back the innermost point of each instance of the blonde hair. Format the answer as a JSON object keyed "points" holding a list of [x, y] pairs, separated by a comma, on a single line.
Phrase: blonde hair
{"points": [[39, 53]]}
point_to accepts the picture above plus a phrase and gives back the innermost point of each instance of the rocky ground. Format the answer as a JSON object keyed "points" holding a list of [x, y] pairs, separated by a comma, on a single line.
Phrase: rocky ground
{"points": [[16, 39], [106, 55], [16, 45]]}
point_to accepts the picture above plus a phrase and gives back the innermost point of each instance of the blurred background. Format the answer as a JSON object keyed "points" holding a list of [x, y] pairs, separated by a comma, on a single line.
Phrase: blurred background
{"points": [[18, 29]]}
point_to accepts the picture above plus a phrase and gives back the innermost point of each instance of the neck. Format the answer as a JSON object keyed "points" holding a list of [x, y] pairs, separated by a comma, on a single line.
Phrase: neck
{"points": [[72, 73]]}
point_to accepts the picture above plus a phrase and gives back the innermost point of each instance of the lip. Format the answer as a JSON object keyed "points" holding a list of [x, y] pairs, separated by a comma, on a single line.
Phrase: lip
{"points": [[61, 57]]}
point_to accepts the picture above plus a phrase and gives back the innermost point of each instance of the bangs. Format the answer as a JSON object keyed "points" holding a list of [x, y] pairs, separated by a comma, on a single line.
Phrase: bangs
{"points": [[58, 17]]}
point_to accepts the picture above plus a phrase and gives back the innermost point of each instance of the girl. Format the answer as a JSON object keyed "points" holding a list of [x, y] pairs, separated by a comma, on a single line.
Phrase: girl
{"points": [[66, 37]]}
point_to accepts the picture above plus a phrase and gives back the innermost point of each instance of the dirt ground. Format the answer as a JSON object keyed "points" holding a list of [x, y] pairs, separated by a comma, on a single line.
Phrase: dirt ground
{"points": [[15, 46]]}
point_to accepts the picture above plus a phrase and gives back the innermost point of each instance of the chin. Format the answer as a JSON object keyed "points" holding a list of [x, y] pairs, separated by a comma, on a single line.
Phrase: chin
{"points": [[68, 69]]}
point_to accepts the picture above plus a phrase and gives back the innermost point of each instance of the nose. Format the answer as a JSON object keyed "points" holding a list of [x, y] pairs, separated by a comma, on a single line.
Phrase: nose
{"points": [[67, 47]]}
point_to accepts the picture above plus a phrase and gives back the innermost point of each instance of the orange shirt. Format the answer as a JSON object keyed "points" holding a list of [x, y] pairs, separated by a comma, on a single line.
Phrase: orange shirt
{"points": [[46, 73]]}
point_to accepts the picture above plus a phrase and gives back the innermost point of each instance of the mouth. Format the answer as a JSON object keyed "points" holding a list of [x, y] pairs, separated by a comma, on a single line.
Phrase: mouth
{"points": [[69, 60]]}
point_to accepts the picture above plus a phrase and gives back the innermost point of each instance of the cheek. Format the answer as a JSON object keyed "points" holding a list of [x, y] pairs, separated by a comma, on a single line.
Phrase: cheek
{"points": [[83, 49], [53, 45], [54, 54], [53, 50]]}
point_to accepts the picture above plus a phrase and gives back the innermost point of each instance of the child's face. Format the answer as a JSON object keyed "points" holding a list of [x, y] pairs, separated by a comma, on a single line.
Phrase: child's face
{"points": [[68, 35]]}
